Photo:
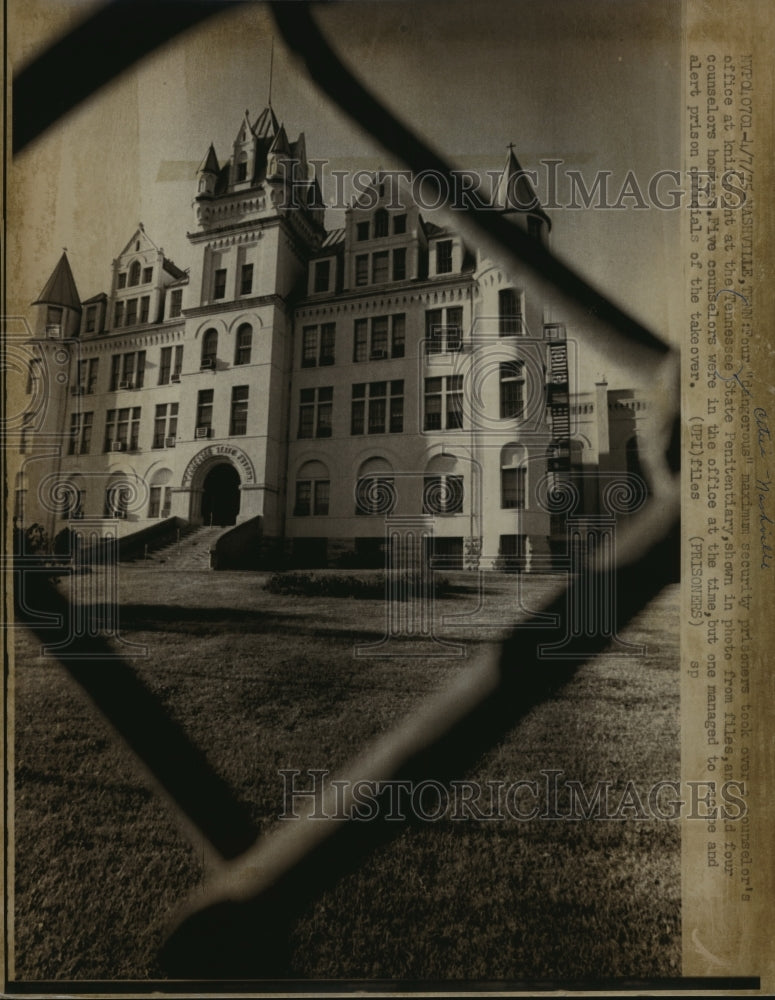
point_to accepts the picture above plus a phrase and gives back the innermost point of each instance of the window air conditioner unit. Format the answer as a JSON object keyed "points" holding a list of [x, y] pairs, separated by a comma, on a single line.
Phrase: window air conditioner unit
{"points": [[377, 355], [116, 446], [169, 442], [207, 363], [203, 432], [126, 384], [175, 377], [53, 330]]}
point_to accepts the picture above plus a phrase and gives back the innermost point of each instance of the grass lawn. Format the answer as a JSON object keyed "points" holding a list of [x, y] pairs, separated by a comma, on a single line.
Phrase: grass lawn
{"points": [[264, 682]]}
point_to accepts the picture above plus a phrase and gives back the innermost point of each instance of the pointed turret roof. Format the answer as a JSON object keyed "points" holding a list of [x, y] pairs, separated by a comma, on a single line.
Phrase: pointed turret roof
{"points": [[266, 125], [515, 193], [60, 288], [210, 163]]}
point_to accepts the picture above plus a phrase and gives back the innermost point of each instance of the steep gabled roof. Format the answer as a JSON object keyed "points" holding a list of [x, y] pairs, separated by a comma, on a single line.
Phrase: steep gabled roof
{"points": [[60, 288], [210, 163], [515, 193], [266, 124], [139, 235]]}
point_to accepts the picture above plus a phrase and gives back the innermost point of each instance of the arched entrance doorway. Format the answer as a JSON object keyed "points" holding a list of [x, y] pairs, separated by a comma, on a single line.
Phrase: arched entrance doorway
{"points": [[221, 495]]}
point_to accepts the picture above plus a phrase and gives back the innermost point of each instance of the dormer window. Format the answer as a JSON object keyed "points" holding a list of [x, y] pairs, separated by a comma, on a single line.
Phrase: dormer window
{"points": [[322, 275], [444, 257], [134, 273], [147, 275], [242, 167]]}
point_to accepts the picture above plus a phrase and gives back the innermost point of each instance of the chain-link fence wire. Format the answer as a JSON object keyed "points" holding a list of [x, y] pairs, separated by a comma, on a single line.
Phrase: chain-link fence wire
{"points": [[238, 924]]}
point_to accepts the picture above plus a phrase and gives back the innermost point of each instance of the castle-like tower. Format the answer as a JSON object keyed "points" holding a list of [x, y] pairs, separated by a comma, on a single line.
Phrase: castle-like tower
{"points": [[305, 385]]}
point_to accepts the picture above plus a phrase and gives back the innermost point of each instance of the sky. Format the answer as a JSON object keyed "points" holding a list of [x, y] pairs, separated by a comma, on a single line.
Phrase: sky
{"points": [[595, 84]]}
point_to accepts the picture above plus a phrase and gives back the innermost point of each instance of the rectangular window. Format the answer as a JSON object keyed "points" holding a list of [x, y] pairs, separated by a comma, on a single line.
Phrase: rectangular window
{"points": [[132, 370], [239, 410], [122, 429], [377, 407], [379, 337], [147, 275], [80, 433], [87, 376], [362, 231], [443, 403], [115, 372], [513, 488], [443, 330], [309, 346], [360, 339], [176, 302], [219, 284], [362, 269], [320, 496], [399, 264], [177, 366], [444, 257], [91, 319], [165, 365], [145, 308], [246, 279], [512, 390], [312, 497], [318, 345], [399, 224], [454, 401], [118, 315], [165, 425], [509, 312], [154, 504], [244, 345], [322, 275], [398, 335], [379, 267], [316, 412], [327, 338], [122, 280], [131, 312], [381, 221], [204, 409]]}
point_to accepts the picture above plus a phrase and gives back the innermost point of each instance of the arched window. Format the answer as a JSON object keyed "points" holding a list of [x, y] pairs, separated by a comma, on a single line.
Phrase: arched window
{"points": [[134, 273], [244, 344], [375, 491], [72, 494], [513, 477], [160, 498], [313, 488], [443, 486], [209, 348], [117, 494]]}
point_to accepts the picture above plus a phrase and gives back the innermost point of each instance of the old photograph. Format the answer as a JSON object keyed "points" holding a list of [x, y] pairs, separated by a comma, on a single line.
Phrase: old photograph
{"points": [[343, 452]]}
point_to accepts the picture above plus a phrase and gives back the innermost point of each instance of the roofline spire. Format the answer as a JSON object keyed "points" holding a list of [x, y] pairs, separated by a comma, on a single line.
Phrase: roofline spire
{"points": [[271, 72]]}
